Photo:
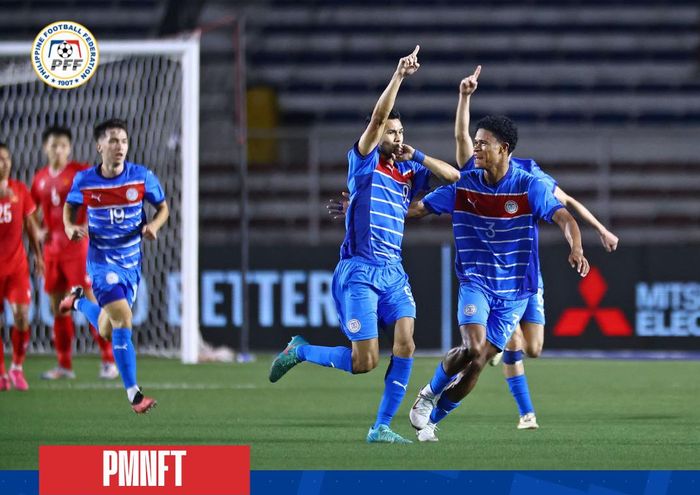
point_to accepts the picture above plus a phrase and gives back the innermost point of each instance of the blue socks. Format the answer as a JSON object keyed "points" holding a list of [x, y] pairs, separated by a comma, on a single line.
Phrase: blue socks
{"points": [[395, 380], [519, 388], [90, 310], [395, 385], [443, 407], [331, 357], [124, 356], [440, 380], [521, 393]]}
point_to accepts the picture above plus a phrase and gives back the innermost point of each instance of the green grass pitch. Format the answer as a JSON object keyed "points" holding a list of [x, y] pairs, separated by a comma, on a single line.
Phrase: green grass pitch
{"points": [[593, 414]]}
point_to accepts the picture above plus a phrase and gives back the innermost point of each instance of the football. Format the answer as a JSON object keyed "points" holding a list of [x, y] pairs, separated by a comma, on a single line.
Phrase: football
{"points": [[65, 50]]}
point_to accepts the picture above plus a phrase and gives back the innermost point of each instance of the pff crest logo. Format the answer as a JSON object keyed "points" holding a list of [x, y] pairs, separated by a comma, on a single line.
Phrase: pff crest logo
{"points": [[65, 55]]}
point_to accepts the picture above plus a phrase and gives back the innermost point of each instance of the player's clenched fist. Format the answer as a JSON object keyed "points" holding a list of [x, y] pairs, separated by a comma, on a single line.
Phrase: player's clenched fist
{"points": [[409, 65]]}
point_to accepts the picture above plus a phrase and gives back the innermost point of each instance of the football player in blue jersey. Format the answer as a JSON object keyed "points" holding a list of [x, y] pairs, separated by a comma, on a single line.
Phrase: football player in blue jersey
{"points": [[528, 337], [114, 192], [370, 287], [495, 208]]}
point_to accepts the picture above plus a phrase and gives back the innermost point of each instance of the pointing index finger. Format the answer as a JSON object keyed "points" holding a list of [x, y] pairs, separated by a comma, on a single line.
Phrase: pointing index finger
{"points": [[415, 52], [477, 72]]}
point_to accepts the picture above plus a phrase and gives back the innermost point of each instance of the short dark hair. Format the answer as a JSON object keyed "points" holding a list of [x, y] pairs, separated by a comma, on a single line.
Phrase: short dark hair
{"points": [[393, 115], [502, 127], [56, 130], [4, 145], [102, 127]]}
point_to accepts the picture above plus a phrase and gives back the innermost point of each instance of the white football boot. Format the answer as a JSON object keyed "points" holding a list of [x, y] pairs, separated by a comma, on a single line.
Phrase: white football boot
{"points": [[422, 407]]}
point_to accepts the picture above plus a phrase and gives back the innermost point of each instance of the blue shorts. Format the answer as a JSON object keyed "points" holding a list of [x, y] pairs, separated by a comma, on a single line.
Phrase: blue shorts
{"points": [[367, 295], [534, 313], [111, 283], [499, 316]]}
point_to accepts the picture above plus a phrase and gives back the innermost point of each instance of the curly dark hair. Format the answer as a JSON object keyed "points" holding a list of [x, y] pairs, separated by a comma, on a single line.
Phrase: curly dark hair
{"points": [[502, 127]]}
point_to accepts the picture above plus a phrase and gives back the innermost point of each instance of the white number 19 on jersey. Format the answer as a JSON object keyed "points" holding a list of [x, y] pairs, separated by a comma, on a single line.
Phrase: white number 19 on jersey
{"points": [[116, 215]]}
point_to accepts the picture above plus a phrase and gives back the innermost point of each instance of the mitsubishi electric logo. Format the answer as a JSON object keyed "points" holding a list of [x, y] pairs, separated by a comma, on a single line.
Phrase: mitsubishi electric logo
{"points": [[668, 309], [611, 321]]}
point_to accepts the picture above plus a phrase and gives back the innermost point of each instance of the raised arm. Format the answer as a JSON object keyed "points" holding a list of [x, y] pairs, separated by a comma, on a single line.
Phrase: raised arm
{"points": [[607, 238], [569, 227], [465, 147], [445, 173], [372, 135]]}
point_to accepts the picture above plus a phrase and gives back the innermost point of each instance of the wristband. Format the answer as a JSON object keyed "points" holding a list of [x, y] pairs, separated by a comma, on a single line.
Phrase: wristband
{"points": [[418, 156]]}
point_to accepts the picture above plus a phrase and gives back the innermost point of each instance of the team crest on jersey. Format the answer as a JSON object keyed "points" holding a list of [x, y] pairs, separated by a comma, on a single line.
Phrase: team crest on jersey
{"points": [[354, 326], [469, 310], [112, 278], [132, 194], [511, 206]]}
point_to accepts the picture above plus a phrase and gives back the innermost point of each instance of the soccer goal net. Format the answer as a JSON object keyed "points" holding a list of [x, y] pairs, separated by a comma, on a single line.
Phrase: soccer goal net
{"points": [[154, 86]]}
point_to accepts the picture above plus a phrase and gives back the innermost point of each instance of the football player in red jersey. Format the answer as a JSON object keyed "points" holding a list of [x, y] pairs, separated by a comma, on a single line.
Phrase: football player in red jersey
{"points": [[16, 209], [65, 261]]}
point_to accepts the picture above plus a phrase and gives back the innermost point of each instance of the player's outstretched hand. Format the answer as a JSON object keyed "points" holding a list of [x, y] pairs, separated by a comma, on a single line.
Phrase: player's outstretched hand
{"points": [[403, 153], [337, 207], [149, 232], [579, 262], [470, 83], [76, 232], [609, 240], [409, 65]]}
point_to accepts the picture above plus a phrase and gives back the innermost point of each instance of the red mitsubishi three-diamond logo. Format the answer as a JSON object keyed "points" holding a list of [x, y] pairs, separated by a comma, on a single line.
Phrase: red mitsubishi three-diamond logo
{"points": [[612, 321]]}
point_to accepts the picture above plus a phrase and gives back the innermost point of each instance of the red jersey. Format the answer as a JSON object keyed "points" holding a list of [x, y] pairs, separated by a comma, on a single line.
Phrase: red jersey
{"points": [[49, 191], [14, 208]]}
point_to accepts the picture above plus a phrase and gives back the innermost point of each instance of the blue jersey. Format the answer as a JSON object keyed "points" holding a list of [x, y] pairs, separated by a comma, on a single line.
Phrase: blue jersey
{"points": [[494, 229], [528, 165], [115, 212], [379, 197]]}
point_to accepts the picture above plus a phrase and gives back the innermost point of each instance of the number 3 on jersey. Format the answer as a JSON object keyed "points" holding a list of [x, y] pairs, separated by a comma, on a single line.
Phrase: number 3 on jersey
{"points": [[5, 213], [116, 215]]}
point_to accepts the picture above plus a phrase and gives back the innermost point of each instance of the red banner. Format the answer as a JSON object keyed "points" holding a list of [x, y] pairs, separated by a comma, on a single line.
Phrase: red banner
{"points": [[144, 470]]}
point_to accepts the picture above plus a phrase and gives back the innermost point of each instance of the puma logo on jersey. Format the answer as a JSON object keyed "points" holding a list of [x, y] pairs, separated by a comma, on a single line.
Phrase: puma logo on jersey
{"points": [[96, 197]]}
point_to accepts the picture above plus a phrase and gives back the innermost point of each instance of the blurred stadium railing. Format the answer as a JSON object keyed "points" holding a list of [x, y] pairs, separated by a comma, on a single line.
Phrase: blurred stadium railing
{"points": [[606, 94]]}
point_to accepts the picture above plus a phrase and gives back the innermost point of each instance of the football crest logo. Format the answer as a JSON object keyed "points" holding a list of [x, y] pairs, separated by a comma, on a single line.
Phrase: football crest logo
{"points": [[469, 310], [511, 207], [354, 326], [65, 55], [132, 194]]}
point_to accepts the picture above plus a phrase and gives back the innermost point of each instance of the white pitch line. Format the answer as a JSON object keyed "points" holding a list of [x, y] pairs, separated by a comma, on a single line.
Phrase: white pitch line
{"points": [[152, 386]]}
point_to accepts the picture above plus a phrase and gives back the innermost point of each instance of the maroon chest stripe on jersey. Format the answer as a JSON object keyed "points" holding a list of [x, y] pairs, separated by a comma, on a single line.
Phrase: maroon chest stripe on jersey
{"points": [[492, 205], [113, 196], [394, 173]]}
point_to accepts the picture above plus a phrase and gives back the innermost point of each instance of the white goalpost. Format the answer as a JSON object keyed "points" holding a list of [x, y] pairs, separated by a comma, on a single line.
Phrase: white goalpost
{"points": [[154, 86]]}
